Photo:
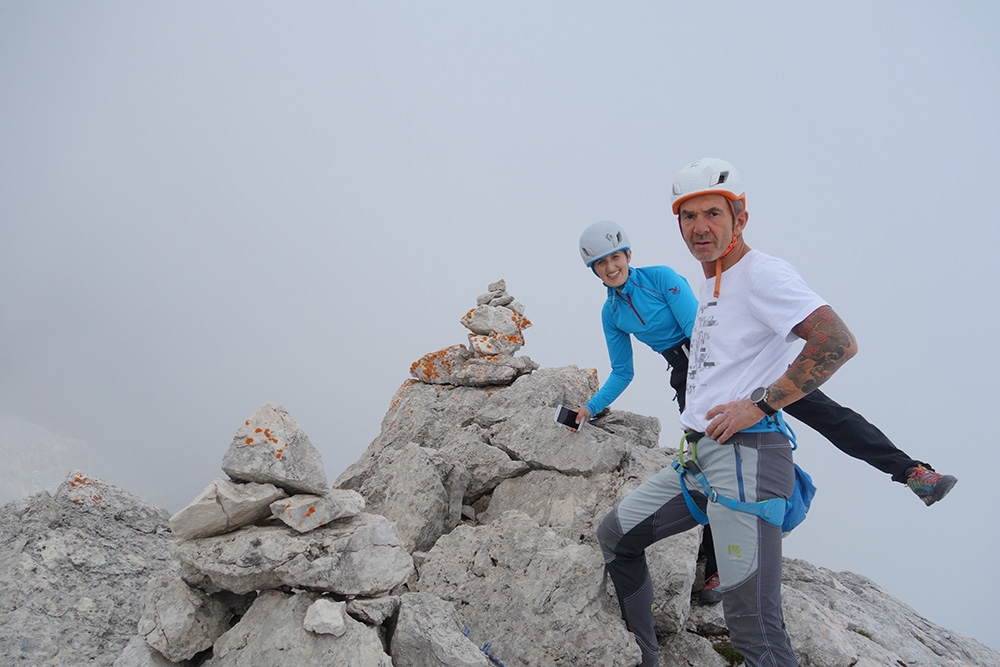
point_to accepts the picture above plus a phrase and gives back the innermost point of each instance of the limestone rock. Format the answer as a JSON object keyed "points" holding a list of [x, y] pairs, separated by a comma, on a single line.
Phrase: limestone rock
{"points": [[138, 653], [439, 367], [271, 448], [486, 465], [73, 569], [535, 596], [497, 296], [456, 421], [223, 507], [273, 633], [179, 621], [548, 387], [486, 320], [429, 634], [419, 491], [357, 556], [494, 344], [534, 437], [844, 618], [305, 512], [374, 611], [326, 617], [566, 503], [492, 371]]}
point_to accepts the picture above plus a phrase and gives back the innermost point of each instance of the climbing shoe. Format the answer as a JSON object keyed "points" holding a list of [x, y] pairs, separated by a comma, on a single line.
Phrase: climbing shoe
{"points": [[929, 486], [711, 594]]}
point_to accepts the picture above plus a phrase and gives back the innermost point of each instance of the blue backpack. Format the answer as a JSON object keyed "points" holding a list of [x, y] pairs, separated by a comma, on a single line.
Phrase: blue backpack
{"points": [[798, 504]]}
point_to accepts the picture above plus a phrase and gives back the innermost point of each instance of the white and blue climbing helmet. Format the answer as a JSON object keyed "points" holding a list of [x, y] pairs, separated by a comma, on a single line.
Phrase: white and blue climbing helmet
{"points": [[706, 176], [601, 239]]}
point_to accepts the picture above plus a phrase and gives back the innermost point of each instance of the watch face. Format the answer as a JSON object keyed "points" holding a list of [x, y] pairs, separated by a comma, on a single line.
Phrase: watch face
{"points": [[758, 394]]}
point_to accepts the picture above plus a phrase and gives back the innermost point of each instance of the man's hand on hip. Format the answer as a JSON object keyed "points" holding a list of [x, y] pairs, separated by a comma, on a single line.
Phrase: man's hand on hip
{"points": [[731, 418]]}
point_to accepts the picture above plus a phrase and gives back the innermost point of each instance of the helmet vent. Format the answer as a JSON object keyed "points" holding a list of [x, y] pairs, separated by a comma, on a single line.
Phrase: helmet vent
{"points": [[720, 178]]}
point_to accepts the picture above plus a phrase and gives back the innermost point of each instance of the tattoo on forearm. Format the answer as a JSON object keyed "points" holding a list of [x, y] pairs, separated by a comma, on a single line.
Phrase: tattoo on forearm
{"points": [[829, 344]]}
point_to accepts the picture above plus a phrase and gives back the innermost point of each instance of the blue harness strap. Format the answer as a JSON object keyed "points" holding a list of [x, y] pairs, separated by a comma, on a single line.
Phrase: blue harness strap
{"points": [[771, 510], [785, 514]]}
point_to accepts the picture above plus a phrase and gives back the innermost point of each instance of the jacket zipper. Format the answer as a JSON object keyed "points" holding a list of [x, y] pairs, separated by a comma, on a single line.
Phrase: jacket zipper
{"points": [[628, 300]]}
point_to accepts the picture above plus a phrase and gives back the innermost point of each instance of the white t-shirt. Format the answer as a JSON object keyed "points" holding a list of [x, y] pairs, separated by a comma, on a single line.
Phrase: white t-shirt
{"points": [[743, 339]]}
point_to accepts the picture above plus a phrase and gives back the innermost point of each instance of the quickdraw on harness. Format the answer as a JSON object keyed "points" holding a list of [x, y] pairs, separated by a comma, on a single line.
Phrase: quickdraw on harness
{"points": [[776, 511]]}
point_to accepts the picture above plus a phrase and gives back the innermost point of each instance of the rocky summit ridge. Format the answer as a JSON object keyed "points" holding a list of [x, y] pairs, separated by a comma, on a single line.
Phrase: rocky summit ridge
{"points": [[463, 536]]}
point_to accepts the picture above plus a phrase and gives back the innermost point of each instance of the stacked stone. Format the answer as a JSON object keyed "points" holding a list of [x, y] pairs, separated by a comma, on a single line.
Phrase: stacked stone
{"points": [[275, 547], [497, 324]]}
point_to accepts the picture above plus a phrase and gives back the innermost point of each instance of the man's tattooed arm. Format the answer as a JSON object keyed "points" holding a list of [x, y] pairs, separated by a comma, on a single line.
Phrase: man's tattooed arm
{"points": [[829, 344]]}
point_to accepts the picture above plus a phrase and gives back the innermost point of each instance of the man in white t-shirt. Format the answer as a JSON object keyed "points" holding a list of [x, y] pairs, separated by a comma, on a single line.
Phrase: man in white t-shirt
{"points": [[746, 363]]}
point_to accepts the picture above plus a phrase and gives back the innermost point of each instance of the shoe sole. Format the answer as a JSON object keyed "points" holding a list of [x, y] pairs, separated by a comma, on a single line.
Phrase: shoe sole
{"points": [[941, 489]]}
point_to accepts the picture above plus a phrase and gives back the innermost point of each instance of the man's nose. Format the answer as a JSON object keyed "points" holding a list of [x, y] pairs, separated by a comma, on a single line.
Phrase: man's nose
{"points": [[700, 223]]}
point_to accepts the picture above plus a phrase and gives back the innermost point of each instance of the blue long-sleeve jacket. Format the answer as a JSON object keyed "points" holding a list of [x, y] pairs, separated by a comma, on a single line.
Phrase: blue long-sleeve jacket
{"points": [[657, 306]]}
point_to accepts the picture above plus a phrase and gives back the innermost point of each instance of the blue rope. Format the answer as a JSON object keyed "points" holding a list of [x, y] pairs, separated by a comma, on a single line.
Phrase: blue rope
{"points": [[485, 649]]}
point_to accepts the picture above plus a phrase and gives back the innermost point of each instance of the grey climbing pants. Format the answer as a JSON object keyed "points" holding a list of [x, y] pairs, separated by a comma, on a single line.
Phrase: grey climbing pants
{"points": [[750, 467]]}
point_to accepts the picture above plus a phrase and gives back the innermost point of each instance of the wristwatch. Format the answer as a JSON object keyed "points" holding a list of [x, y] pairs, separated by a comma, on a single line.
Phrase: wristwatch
{"points": [[759, 398]]}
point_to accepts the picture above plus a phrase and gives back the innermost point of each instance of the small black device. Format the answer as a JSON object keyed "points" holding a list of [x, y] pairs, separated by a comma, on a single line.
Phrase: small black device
{"points": [[567, 417]]}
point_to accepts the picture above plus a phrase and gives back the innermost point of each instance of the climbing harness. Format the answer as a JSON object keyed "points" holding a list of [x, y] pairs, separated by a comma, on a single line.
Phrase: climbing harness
{"points": [[776, 511]]}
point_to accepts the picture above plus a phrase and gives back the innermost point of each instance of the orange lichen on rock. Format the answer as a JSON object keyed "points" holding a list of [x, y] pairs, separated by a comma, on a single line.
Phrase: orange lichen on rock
{"points": [[311, 511], [520, 321], [427, 366], [407, 384], [278, 455], [248, 441]]}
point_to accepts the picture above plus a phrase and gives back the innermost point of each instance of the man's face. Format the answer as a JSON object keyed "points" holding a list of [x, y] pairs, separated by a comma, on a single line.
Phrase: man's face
{"points": [[613, 269], [707, 225]]}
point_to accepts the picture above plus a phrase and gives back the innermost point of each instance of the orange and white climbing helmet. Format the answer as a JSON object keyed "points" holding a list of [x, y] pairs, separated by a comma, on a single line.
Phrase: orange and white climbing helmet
{"points": [[708, 175], [601, 239]]}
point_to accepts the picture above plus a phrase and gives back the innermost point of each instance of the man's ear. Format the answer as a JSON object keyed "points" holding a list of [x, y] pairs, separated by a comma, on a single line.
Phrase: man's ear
{"points": [[741, 220], [628, 256]]}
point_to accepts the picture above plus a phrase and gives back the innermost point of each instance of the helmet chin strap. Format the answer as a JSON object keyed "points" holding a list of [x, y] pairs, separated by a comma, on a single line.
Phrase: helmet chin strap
{"points": [[718, 265], [732, 244]]}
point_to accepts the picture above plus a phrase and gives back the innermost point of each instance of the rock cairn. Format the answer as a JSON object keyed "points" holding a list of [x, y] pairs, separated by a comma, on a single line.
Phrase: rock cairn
{"points": [[497, 324], [273, 563]]}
